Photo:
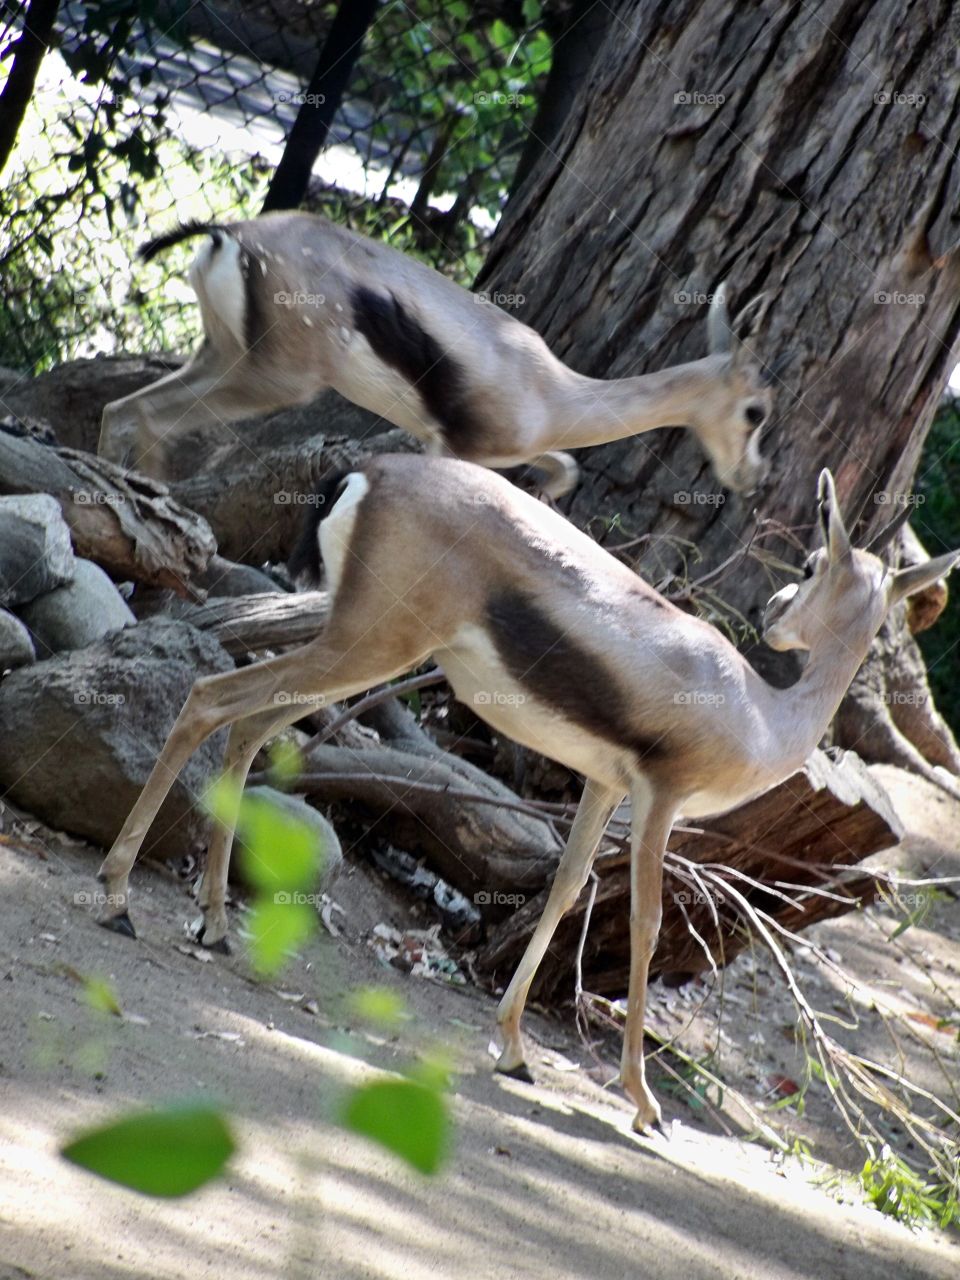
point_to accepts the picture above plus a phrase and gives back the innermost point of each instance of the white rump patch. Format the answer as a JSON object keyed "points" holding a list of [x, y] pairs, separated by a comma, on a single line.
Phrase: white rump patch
{"points": [[218, 282], [336, 531]]}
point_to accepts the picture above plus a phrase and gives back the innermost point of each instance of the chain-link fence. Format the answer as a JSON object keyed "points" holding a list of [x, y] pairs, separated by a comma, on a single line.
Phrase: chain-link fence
{"points": [[146, 112]]}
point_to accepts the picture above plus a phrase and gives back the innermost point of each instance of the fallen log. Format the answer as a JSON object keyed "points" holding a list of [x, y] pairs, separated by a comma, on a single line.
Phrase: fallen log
{"points": [[255, 499], [250, 624], [122, 521], [477, 847], [794, 841]]}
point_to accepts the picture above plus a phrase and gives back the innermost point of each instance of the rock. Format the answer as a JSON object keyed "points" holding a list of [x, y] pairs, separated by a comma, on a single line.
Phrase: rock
{"points": [[36, 554], [71, 396], [80, 732], [78, 614], [226, 578], [16, 647], [298, 808]]}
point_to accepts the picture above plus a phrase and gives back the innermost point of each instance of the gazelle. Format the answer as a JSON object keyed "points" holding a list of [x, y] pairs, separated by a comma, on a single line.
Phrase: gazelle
{"points": [[292, 304], [560, 646]]}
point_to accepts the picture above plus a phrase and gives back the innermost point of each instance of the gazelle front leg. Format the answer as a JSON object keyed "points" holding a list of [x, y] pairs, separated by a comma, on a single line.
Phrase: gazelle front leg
{"points": [[596, 805], [651, 820], [214, 702]]}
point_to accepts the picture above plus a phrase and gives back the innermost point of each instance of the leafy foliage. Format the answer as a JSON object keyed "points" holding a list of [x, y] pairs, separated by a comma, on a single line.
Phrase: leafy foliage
{"points": [[168, 1152], [938, 524]]}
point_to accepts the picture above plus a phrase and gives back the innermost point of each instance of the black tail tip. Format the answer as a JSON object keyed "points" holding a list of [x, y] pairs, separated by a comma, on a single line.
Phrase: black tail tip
{"points": [[305, 561], [186, 231]]}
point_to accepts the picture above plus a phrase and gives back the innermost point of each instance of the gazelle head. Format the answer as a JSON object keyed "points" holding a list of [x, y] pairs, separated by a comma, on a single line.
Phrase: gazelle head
{"points": [[734, 411], [846, 592]]}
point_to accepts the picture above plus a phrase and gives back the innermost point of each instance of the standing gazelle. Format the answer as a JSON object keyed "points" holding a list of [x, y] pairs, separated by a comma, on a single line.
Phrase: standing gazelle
{"points": [[561, 647], [292, 304]]}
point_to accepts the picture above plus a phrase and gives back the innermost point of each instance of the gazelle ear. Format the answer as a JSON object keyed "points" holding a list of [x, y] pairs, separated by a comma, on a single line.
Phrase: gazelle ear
{"points": [[835, 536], [906, 582], [726, 338], [719, 332]]}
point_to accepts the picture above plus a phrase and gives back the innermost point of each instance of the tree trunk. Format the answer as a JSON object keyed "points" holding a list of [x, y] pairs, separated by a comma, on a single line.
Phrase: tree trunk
{"points": [[810, 154], [28, 52]]}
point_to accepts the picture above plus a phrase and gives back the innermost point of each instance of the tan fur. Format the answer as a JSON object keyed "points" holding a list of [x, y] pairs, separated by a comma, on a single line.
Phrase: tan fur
{"points": [[640, 697], [521, 400]]}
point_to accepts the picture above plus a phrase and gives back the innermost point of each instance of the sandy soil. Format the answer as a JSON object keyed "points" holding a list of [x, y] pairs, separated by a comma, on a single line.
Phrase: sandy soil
{"points": [[546, 1180]]}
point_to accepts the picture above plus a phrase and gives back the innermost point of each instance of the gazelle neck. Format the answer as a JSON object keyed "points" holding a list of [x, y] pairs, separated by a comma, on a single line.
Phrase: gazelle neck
{"points": [[588, 411], [803, 711]]}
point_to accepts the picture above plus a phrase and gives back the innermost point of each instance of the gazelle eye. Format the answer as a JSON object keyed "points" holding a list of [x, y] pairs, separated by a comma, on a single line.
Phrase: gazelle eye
{"points": [[755, 415]]}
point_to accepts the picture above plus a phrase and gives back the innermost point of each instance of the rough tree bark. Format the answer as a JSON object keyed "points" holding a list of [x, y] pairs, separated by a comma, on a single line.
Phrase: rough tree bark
{"points": [[807, 152]]}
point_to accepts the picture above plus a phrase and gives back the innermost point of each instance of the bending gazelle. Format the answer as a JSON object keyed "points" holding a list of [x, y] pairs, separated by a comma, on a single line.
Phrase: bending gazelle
{"points": [[597, 670], [292, 304]]}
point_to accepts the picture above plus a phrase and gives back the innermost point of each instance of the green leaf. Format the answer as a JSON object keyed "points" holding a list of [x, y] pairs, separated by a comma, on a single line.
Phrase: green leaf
{"points": [[169, 1152], [101, 996], [286, 762], [277, 927], [280, 852], [379, 1005], [407, 1118]]}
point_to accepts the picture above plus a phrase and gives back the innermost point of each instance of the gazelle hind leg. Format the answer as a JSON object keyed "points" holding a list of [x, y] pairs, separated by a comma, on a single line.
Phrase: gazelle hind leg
{"points": [[315, 669], [651, 820], [247, 736], [596, 805]]}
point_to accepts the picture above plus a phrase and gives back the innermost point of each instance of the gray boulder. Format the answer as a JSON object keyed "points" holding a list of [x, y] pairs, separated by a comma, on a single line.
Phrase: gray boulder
{"points": [[79, 734], [77, 614], [16, 647], [36, 554]]}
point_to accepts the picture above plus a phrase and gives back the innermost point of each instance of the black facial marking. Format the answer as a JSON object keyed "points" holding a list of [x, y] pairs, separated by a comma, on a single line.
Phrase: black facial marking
{"points": [[563, 674], [755, 415], [400, 341]]}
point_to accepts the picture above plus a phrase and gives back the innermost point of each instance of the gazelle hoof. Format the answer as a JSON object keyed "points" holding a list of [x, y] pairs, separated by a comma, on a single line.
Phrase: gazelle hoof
{"points": [[220, 945], [519, 1072], [121, 924]]}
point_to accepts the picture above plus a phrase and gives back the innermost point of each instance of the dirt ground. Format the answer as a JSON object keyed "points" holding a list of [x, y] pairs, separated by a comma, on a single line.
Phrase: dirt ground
{"points": [[545, 1180]]}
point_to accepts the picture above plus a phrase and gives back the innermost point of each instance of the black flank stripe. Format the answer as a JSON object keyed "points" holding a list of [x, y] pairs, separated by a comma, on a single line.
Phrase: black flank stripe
{"points": [[563, 674], [400, 341]]}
